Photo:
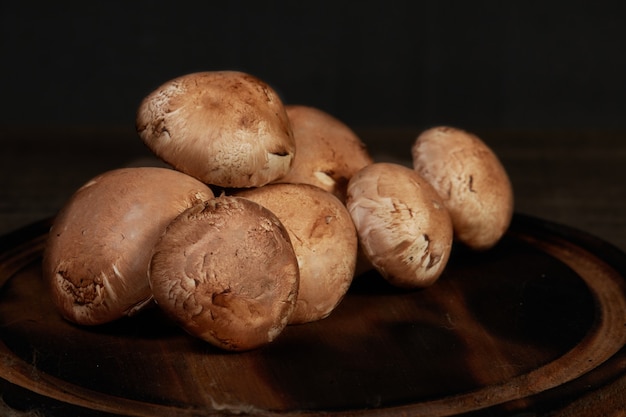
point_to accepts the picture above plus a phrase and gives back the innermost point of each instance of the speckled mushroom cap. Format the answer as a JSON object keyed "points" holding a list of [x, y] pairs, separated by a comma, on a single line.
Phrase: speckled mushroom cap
{"points": [[226, 272], [324, 240], [403, 227], [328, 151], [470, 179], [98, 250], [226, 128]]}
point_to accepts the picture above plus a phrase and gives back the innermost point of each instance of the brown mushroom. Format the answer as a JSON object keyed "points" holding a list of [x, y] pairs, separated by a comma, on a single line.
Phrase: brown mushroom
{"points": [[328, 151], [471, 181], [98, 249], [226, 128], [226, 272], [324, 240], [403, 227]]}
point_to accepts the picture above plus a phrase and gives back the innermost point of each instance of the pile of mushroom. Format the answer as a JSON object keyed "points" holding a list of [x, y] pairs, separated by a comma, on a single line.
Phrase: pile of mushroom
{"points": [[263, 215]]}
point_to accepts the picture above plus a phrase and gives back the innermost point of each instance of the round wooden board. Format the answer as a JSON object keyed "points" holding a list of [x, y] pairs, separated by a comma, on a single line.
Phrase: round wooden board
{"points": [[528, 326]]}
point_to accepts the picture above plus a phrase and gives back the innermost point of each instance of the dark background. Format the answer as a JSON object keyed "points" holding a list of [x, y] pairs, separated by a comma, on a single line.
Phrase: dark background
{"points": [[485, 64]]}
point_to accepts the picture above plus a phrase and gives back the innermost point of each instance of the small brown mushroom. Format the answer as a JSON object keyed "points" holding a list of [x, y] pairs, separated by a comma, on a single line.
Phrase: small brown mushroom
{"points": [[98, 250], [226, 128], [471, 181], [328, 151], [226, 272], [403, 227], [324, 240]]}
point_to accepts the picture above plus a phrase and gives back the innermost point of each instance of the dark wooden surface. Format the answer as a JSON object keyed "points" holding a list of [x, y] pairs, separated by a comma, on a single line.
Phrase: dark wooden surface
{"points": [[465, 342], [532, 327], [575, 178]]}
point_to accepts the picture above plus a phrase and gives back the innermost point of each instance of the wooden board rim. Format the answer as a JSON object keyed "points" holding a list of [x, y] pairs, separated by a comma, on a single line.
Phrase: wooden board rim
{"points": [[575, 248]]}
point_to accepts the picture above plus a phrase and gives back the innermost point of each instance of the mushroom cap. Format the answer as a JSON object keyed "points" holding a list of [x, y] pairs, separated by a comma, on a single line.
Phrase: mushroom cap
{"points": [[226, 272], [98, 250], [471, 181], [324, 240], [403, 227], [226, 128], [328, 151]]}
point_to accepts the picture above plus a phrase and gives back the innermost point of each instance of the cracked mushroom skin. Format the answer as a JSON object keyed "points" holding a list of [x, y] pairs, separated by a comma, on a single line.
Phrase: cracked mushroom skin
{"points": [[471, 181], [324, 240], [97, 253], [226, 128], [226, 272], [329, 152], [404, 229]]}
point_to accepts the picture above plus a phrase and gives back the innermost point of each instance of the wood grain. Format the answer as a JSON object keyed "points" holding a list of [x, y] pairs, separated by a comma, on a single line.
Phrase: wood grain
{"points": [[529, 326], [569, 177]]}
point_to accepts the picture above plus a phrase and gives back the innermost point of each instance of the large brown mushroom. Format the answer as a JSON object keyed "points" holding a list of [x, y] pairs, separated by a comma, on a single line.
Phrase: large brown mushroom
{"points": [[403, 227], [226, 272], [226, 128], [324, 240], [471, 181], [328, 151], [98, 250]]}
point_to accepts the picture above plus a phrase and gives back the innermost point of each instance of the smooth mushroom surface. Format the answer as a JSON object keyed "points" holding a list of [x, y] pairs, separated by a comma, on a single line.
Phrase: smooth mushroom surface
{"points": [[471, 181], [226, 272], [226, 128], [324, 240], [328, 151], [98, 250], [403, 227]]}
